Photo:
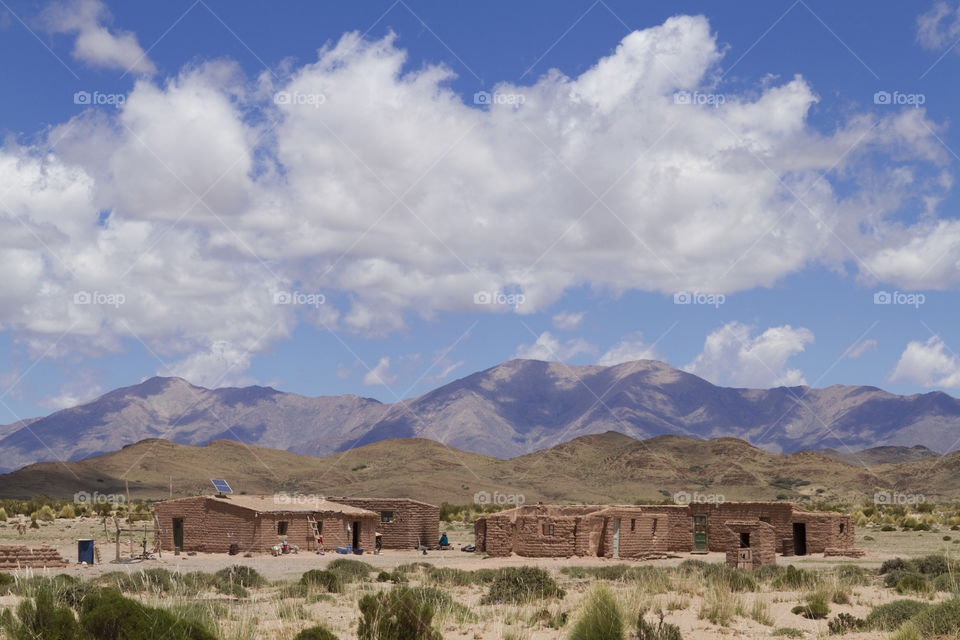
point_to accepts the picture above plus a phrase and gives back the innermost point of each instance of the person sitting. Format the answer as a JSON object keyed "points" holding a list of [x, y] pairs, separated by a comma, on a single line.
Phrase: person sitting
{"points": [[444, 541]]}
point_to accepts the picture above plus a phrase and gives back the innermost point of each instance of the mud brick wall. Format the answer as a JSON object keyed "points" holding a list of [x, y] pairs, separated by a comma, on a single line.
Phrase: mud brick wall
{"points": [[677, 524], [763, 542], [589, 535], [500, 535], [480, 534], [826, 530], [17, 556], [534, 540], [780, 515], [194, 512], [414, 523]]}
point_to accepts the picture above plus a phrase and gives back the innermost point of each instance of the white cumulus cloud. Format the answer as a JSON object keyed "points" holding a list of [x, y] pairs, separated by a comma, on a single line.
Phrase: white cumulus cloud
{"points": [[568, 320], [550, 348], [939, 27], [929, 364], [95, 44], [733, 356], [380, 374], [628, 349]]}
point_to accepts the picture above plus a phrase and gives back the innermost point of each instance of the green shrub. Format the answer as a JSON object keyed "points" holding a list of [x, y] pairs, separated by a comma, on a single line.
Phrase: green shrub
{"points": [[46, 514], [42, 618], [67, 512], [111, 616], [484, 576], [660, 631], [945, 582], [888, 527], [350, 570], [232, 589], [894, 577], [815, 609], [413, 567], [889, 616], [600, 617], [3, 514], [519, 585], [913, 584], [941, 619], [932, 565], [843, 623], [787, 632], [242, 575], [332, 582], [391, 576], [852, 574], [318, 632], [398, 614]]}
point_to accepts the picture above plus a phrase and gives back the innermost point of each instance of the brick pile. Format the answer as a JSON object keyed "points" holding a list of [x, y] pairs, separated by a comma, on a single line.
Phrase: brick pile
{"points": [[13, 556]]}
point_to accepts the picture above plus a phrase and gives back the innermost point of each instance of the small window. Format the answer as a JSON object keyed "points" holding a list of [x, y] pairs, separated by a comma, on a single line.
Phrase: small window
{"points": [[633, 524], [386, 516], [282, 528], [744, 540], [653, 529], [841, 527], [547, 529]]}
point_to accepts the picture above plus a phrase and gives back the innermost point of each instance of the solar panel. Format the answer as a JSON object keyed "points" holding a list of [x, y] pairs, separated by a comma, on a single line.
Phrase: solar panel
{"points": [[221, 485]]}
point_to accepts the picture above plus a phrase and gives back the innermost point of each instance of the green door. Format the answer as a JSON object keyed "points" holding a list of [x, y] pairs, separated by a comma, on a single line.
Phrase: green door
{"points": [[700, 534], [178, 533]]}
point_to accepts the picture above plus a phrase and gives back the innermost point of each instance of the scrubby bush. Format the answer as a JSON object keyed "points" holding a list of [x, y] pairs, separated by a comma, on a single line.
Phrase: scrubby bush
{"points": [[888, 527], [913, 584], [398, 614], [889, 616], [816, 608], [600, 617], [794, 579], [852, 574], [450, 576], [242, 575], [318, 632], [3, 514], [519, 585], [46, 514], [945, 582], [659, 631], [941, 619], [391, 576], [843, 623], [67, 512], [350, 570], [41, 617], [111, 616], [484, 576], [328, 580]]}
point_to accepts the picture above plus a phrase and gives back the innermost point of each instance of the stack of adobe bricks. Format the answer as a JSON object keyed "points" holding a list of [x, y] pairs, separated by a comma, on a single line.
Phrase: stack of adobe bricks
{"points": [[15, 556]]}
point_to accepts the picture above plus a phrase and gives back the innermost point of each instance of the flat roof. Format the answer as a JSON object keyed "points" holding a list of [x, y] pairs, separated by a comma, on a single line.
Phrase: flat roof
{"points": [[283, 503]]}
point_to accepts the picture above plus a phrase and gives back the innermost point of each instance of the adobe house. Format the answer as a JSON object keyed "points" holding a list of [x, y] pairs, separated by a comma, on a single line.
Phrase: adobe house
{"points": [[404, 523], [629, 531], [256, 523]]}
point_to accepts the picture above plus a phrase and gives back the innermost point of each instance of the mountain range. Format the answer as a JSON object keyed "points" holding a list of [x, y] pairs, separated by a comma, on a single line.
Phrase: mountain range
{"points": [[517, 407], [607, 468]]}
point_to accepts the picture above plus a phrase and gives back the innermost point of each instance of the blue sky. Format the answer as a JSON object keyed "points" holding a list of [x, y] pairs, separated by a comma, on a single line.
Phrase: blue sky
{"points": [[170, 172]]}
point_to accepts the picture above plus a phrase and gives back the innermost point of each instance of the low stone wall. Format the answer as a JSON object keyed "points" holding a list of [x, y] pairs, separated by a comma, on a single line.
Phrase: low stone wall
{"points": [[16, 556]]}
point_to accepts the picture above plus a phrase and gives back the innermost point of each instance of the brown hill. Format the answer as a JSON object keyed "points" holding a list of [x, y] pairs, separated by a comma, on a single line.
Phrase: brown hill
{"points": [[608, 467]]}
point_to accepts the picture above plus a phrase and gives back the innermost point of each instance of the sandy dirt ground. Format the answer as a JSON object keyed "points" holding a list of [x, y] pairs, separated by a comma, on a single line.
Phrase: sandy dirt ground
{"points": [[266, 615]]}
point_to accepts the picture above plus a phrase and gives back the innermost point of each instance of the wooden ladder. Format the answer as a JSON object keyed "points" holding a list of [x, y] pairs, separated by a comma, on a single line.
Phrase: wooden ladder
{"points": [[313, 545]]}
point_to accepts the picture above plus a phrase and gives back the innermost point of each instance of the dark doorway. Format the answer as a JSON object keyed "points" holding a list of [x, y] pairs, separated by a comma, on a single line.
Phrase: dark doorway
{"points": [[744, 540], [699, 534], [178, 533], [356, 534], [800, 538]]}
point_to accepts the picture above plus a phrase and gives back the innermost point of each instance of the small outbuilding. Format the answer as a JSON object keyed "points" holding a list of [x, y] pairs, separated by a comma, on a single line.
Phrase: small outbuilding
{"points": [[403, 523], [214, 524], [750, 543]]}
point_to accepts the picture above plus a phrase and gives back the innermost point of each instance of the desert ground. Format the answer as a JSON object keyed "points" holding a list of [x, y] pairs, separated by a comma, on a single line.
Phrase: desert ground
{"points": [[686, 601]]}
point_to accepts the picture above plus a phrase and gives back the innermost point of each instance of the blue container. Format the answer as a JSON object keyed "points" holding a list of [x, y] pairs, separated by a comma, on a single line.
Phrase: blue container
{"points": [[85, 551]]}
